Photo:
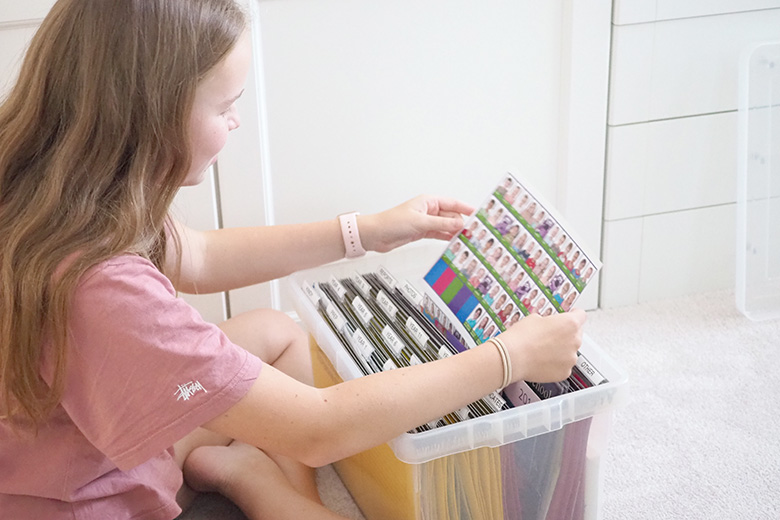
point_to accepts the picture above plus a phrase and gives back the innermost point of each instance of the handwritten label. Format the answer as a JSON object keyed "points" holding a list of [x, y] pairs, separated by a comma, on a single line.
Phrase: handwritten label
{"points": [[336, 285], [587, 369], [311, 294], [416, 331], [362, 343], [335, 317], [393, 341], [361, 284], [384, 302], [495, 401], [386, 277], [411, 293], [362, 310]]}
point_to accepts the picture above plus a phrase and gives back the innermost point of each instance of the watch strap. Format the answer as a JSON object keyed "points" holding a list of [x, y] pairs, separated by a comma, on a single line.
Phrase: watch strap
{"points": [[351, 235]]}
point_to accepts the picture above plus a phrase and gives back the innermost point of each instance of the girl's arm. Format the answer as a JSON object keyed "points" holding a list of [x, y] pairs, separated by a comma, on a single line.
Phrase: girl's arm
{"points": [[319, 426], [225, 259]]}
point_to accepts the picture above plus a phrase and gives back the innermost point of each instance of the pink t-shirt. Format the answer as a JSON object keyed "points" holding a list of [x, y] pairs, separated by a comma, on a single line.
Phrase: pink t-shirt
{"points": [[143, 370]]}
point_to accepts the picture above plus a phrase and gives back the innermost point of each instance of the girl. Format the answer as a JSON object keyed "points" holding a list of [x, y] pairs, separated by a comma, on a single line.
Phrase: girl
{"points": [[472, 322], [113, 390], [485, 284], [491, 296], [469, 232], [504, 313], [480, 328], [479, 240], [477, 278]]}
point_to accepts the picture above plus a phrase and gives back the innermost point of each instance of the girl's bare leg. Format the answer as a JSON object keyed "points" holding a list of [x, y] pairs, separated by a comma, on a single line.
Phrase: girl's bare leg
{"points": [[276, 339], [212, 462], [253, 481]]}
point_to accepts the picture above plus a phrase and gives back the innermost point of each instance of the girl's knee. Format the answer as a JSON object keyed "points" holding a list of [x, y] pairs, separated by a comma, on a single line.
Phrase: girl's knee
{"points": [[268, 334]]}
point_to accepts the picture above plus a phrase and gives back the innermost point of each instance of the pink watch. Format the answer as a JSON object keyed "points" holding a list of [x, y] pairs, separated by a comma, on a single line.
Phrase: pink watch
{"points": [[349, 231]]}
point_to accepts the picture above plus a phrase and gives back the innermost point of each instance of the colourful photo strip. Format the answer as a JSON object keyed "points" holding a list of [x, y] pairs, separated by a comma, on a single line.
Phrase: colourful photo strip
{"points": [[513, 258]]}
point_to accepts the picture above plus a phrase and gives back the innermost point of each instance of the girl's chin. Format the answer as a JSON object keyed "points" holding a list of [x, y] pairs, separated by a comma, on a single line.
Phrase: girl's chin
{"points": [[195, 178]]}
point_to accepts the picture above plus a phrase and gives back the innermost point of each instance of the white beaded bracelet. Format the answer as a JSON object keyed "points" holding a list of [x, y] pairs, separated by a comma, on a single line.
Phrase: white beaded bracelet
{"points": [[505, 361], [351, 236]]}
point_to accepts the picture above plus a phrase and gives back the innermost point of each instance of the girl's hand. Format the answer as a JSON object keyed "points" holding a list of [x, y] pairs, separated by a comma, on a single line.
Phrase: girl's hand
{"points": [[544, 349], [421, 217]]}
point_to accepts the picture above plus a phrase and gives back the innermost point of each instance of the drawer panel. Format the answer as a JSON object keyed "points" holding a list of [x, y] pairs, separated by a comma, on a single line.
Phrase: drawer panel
{"points": [[671, 165], [622, 257], [642, 11], [682, 67], [667, 256], [688, 252]]}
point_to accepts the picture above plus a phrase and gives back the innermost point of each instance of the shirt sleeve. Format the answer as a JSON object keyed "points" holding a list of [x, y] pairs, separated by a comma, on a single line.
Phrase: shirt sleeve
{"points": [[143, 368]]}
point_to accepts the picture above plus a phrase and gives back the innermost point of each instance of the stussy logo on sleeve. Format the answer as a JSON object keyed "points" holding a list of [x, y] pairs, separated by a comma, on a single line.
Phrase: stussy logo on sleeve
{"points": [[187, 390]]}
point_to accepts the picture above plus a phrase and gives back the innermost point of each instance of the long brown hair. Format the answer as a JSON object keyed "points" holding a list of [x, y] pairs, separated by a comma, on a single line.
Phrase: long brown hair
{"points": [[93, 147]]}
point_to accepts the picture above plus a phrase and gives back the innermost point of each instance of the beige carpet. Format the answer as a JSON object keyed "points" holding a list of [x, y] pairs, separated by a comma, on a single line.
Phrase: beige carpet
{"points": [[699, 438]]}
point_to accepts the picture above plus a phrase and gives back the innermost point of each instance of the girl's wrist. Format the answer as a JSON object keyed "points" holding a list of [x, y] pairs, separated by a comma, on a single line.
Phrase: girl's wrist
{"points": [[506, 362], [511, 344], [350, 234], [367, 228]]}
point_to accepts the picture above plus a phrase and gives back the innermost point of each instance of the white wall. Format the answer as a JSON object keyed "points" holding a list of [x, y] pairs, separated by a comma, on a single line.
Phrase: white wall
{"points": [[360, 105], [388, 99], [669, 220], [370, 103]]}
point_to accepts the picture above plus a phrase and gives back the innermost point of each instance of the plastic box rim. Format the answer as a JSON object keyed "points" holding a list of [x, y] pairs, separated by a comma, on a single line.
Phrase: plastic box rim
{"points": [[494, 430]]}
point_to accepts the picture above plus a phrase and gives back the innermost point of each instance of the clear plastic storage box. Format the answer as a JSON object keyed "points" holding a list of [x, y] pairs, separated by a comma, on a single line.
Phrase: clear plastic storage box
{"points": [[537, 461], [758, 193]]}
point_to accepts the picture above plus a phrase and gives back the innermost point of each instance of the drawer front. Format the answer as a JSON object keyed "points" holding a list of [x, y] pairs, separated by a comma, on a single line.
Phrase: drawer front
{"points": [[668, 256], [682, 67], [671, 165], [643, 11]]}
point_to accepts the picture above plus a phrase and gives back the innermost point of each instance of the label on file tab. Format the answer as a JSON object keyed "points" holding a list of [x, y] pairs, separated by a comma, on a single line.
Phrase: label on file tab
{"points": [[495, 401], [311, 294], [363, 344], [384, 302], [412, 293], [393, 341], [336, 284], [386, 277], [416, 331], [588, 371], [362, 310], [361, 284], [335, 317]]}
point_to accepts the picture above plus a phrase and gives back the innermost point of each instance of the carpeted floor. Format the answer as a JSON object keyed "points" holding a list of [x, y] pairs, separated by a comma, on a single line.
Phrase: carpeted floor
{"points": [[698, 439]]}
